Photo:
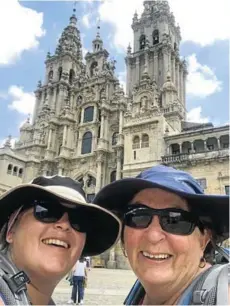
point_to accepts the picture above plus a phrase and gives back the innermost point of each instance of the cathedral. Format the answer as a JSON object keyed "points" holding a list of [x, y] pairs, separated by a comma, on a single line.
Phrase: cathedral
{"points": [[85, 126]]}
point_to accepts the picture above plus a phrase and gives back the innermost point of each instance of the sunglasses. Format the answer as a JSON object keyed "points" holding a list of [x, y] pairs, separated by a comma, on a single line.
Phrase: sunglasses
{"points": [[51, 210], [172, 220]]}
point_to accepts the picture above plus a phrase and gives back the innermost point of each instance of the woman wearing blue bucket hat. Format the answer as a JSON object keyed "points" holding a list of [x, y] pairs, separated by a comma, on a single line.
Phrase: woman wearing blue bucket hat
{"points": [[170, 229]]}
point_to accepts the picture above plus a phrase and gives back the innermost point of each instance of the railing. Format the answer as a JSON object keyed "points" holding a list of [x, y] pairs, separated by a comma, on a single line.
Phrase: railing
{"points": [[175, 158]]}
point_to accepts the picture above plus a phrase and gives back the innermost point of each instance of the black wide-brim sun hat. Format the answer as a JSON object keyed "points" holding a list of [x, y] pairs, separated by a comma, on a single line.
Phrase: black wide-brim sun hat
{"points": [[213, 210], [105, 227]]}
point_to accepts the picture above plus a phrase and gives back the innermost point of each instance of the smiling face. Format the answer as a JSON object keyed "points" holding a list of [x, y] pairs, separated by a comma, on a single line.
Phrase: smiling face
{"points": [[42, 249], [158, 257]]}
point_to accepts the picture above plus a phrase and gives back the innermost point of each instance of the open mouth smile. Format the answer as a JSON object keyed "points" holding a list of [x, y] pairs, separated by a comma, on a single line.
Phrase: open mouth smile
{"points": [[56, 243]]}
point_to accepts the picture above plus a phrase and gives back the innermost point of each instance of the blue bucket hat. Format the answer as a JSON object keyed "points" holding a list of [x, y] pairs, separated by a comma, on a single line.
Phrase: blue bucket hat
{"points": [[213, 209]]}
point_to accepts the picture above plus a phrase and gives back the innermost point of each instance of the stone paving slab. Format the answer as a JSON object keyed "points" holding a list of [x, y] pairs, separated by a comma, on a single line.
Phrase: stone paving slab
{"points": [[105, 287]]}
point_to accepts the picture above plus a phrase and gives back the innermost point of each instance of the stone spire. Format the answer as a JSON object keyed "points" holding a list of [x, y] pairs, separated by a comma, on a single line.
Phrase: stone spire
{"points": [[70, 41], [7, 143], [97, 42]]}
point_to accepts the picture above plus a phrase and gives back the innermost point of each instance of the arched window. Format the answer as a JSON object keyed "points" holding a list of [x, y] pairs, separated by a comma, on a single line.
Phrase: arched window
{"points": [[71, 76], [20, 172], [142, 42], [86, 143], [9, 169], [145, 141], [91, 182], [114, 138], [59, 73], [156, 37], [88, 114], [136, 142], [113, 176], [175, 148], [15, 170], [50, 75], [92, 68], [175, 46]]}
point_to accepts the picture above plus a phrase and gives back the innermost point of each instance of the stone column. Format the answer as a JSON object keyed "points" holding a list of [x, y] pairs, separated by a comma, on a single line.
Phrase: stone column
{"points": [[50, 139], [205, 145], [59, 171], [173, 70], [180, 147], [72, 101], [192, 147], [53, 104], [218, 143], [64, 136], [178, 77], [106, 127], [99, 170], [137, 79], [36, 107], [165, 64], [61, 97], [102, 126], [156, 66], [118, 171], [121, 121], [128, 77]]}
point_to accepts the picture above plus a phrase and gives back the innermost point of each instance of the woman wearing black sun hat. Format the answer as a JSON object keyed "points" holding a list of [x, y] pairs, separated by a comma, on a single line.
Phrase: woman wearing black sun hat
{"points": [[46, 226]]}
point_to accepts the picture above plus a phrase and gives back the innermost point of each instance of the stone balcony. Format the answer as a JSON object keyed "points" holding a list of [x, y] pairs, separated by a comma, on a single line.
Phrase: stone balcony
{"points": [[193, 157]]}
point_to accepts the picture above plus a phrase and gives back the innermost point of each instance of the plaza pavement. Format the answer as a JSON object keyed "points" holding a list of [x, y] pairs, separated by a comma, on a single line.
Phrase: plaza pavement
{"points": [[105, 287]]}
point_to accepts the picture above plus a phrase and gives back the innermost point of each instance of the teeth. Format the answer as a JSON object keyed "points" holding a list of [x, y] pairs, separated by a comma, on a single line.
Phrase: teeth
{"points": [[156, 256], [56, 242]]}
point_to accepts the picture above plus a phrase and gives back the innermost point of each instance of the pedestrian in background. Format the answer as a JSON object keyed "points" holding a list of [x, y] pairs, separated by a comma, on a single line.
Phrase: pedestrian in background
{"points": [[88, 264], [79, 279]]}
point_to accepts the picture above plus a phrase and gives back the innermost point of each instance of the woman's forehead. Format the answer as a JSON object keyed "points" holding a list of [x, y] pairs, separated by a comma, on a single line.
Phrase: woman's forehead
{"points": [[159, 197]]}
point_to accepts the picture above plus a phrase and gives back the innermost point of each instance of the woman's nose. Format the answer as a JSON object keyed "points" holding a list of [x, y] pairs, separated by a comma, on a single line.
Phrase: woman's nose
{"points": [[154, 231], [63, 223]]}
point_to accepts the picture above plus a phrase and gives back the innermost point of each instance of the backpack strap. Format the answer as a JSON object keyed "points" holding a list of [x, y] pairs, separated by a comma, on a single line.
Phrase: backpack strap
{"points": [[212, 287], [12, 283], [222, 286]]}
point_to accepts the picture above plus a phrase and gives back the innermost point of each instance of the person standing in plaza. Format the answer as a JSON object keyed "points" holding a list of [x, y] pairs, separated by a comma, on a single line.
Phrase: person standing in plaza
{"points": [[79, 278]]}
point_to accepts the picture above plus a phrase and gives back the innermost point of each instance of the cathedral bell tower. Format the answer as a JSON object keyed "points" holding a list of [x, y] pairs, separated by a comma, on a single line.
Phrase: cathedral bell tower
{"points": [[156, 51]]}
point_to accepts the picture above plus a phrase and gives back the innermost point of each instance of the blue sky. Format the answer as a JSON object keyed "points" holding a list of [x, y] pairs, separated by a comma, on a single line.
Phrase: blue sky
{"points": [[28, 29]]}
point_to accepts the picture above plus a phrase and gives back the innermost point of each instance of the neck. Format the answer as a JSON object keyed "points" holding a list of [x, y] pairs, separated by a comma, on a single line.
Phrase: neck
{"points": [[168, 294], [40, 292]]}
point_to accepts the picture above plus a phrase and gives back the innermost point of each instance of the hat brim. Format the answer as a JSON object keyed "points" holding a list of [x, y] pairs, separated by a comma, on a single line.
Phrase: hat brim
{"points": [[105, 227], [118, 194]]}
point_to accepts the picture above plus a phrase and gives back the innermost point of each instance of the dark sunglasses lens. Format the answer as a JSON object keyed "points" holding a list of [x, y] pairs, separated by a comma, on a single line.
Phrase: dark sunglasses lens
{"points": [[78, 220], [138, 220], [177, 223], [46, 212]]}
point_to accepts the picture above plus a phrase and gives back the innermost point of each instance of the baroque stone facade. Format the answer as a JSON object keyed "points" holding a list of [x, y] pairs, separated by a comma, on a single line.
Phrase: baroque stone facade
{"points": [[84, 126]]}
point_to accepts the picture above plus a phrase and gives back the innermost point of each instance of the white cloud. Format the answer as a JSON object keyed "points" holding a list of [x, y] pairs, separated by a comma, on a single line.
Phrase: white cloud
{"points": [[202, 22], [22, 102], [194, 115], [201, 81], [20, 29], [85, 21]]}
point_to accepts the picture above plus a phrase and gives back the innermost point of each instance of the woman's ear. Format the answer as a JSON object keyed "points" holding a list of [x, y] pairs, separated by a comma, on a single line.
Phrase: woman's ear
{"points": [[205, 238], [9, 236]]}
